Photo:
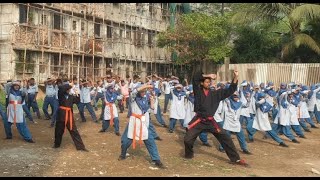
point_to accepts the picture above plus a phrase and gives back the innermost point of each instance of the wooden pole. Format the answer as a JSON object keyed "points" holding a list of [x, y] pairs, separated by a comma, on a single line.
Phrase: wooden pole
{"points": [[72, 63], [59, 63], [93, 43], [25, 46], [69, 63], [49, 64], [78, 74], [83, 66], [226, 65]]}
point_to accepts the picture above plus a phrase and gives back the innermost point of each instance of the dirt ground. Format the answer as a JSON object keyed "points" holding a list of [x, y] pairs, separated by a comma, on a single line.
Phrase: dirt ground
{"points": [[18, 158]]}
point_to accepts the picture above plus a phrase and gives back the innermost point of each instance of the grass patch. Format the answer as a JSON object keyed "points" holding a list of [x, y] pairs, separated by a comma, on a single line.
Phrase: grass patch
{"points": [[2, 98]]}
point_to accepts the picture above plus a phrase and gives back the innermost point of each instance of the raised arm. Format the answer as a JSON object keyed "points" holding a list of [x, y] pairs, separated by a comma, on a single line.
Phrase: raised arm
{"points": [[284, 94], [148, 78], [258, 103], [196, 82], [186, 80], [174, 77], [135, 91], [242, 96], [316, 90], [224, 93], [158, 77]]}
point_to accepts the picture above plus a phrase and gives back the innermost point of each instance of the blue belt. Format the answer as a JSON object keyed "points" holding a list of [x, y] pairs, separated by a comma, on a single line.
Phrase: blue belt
{"points": [[50, 95]]}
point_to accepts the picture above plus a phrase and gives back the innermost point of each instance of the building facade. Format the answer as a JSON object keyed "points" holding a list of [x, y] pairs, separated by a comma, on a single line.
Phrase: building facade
{"points": [[82, 39]]}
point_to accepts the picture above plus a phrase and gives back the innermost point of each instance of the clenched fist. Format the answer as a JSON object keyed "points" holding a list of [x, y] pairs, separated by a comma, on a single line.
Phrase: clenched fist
{"points": [[235, 73]]}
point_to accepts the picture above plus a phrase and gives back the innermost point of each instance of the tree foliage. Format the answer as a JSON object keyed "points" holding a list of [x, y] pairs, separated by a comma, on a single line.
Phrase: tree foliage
{"points": [[293, 15], [247, 32], [255, 44], [197, 37]]}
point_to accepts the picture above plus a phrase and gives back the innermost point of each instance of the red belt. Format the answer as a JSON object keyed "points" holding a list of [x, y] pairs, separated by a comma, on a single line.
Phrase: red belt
{"points": [[210, 118]]}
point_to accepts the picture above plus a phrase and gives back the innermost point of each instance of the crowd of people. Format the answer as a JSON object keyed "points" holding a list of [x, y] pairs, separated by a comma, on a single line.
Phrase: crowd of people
{"points": [[200, 107]]}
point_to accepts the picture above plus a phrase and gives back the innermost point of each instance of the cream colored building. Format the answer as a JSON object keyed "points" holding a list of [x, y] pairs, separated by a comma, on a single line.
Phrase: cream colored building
{"points": [[82, 39]]}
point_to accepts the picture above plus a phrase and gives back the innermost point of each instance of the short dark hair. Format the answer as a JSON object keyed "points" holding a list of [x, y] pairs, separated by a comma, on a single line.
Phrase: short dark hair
{"points": [[204, 78], [74, 78], [135, 76], [127, 76], [32, 79], [59, 80]]}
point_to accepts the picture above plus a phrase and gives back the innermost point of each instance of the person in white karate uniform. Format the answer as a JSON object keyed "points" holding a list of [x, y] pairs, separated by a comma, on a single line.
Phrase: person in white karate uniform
{"points": [[232, 110], [111, 116], [177, 108], [252, 110], [245, 116], [15, 113], [218, 118], [261, 121], [303, 114], [85, 101], [314, 102], [283, 117], [138, 127], [294, 100]]}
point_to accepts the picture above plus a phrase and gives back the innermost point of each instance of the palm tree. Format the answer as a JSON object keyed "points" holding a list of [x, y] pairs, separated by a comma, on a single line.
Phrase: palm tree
{"points": [[293, 15]]}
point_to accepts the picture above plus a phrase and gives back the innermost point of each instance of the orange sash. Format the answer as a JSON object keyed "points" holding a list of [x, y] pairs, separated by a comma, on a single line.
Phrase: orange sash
{"points": [[111, 112], [137, 116], [68, 112], [15, 111]]}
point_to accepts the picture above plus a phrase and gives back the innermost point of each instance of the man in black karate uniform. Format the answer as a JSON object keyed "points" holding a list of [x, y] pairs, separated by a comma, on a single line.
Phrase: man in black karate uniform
{"points": [[205, 105], [65, 118]]}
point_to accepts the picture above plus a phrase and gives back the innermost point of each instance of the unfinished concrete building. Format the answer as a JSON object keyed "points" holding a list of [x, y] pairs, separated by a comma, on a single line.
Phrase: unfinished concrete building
{"points": [[82, 39]]}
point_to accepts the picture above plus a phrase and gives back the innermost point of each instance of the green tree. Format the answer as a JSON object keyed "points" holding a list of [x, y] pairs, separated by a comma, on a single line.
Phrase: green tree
{"points": [[255, 44], [198, 37], [304, 54], [292, 15]]}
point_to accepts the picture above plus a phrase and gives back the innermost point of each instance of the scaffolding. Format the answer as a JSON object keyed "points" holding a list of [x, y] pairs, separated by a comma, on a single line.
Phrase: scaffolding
{"points": [[84, 40]]}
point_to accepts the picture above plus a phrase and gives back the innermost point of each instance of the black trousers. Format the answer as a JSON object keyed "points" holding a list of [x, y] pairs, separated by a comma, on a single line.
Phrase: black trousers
{"points": [[222, 137], [59, 130]]}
